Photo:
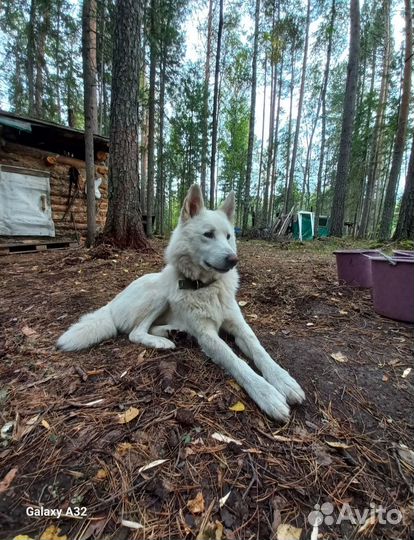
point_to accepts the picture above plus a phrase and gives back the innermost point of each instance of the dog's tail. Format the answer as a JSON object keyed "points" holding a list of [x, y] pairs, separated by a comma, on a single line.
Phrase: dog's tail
{"points": [[91, 329]]}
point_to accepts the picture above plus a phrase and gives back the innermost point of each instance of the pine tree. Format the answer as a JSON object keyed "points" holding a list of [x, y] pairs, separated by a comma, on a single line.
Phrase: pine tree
{"points": [[399, 143], [341, 180], [124, 219]]}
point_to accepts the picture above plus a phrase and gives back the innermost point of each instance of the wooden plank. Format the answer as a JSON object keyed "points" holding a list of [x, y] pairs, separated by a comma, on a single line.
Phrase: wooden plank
{"points": [[36, 246]]}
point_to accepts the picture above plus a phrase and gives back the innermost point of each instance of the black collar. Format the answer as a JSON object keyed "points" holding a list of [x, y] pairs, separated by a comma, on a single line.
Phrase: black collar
{"points": [[193, 284]]}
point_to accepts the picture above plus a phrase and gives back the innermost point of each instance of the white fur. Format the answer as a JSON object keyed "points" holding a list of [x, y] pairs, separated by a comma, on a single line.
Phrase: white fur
{"points": [[153, 305]]}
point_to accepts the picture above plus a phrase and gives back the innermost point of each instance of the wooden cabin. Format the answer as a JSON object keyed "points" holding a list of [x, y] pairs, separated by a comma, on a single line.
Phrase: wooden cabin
{"points": [[42, 180]]}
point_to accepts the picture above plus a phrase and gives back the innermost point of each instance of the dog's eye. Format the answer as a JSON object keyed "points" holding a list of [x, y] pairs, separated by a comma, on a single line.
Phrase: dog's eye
{"points": [[228, 237], [209, 234]]}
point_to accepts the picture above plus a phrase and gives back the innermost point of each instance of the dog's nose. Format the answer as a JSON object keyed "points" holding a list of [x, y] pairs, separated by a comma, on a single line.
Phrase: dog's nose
{"points": [[232, 260]]}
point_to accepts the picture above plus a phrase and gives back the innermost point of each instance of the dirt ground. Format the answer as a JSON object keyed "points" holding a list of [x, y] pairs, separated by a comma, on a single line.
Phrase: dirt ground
{"points": [[77, 429]]}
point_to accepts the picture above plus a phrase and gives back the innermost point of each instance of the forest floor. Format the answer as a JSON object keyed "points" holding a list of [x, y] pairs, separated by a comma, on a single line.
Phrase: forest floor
{"points": [[79, 429]]}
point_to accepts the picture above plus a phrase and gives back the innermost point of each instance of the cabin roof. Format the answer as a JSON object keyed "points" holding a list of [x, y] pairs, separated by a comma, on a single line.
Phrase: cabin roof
{"points": [[47, 135]]}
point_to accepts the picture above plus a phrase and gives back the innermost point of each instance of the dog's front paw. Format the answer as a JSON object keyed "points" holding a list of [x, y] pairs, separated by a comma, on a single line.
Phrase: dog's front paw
{"points": [[161, 343], [269, 399], [282, 381], [148, 340]]}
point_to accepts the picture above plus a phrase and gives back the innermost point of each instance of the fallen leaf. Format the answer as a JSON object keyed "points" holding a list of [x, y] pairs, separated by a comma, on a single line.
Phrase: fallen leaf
{"points": [[394, 362], [223, 438], [45, 424], [234, 385], [131, 524], [223, 500], [321, 456], [238, 407], [94, 529], [8, 479], [406, 372], [282, 438], [52, 533], [29, 332], [339, 357], [101, 474], [196, 505], [211, 531], [310, 324], [288, 532], [24, 429], [22, 537], [242, 303], [337, 444], [385, 378], [343, 312], [407, 456], [219, 531], [368, 524], [123, 448], [128, 415], [151, 465]]}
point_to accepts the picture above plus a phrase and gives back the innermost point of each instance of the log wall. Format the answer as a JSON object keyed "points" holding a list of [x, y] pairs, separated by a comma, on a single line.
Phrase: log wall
{"points": [[67, 222]]}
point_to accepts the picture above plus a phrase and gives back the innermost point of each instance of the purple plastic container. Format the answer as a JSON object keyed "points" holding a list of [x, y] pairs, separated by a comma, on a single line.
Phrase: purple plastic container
{"points": [[403, 253], [393, 287], [354, 268]]}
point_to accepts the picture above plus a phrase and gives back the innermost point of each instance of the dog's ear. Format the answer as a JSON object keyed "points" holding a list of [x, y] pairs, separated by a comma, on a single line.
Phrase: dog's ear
{"points": [[193, 203], [229, 205]]}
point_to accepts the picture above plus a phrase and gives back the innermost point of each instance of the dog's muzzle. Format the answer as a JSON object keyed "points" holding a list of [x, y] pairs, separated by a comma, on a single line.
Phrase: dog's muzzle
{"points": [[229, 262]]}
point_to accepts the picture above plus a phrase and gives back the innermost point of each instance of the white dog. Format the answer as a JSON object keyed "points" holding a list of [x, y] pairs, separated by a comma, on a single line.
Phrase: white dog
{"points": [[194, 293]]}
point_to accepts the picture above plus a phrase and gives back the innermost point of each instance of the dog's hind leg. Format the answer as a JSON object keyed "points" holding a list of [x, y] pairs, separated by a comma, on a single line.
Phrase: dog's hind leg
{"points": [[268, 398], [140, 334], [248, 343]]}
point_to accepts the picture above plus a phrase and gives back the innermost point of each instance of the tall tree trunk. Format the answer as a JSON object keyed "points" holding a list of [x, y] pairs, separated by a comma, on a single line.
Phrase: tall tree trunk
{"points": [[259, 182], [266, 194], [360, 176], [399, 143], [246, 205], [276, 146], [144, 155], [289, 194], [31, 53], [204, 158], [57, 61], [42, 32], [376, 147], [405, 225], [151, 120], [289, 139], [160, 154], [102, 89], [306, 172], [124, 218], [215, 109], [90, 109], [341, 180]]}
